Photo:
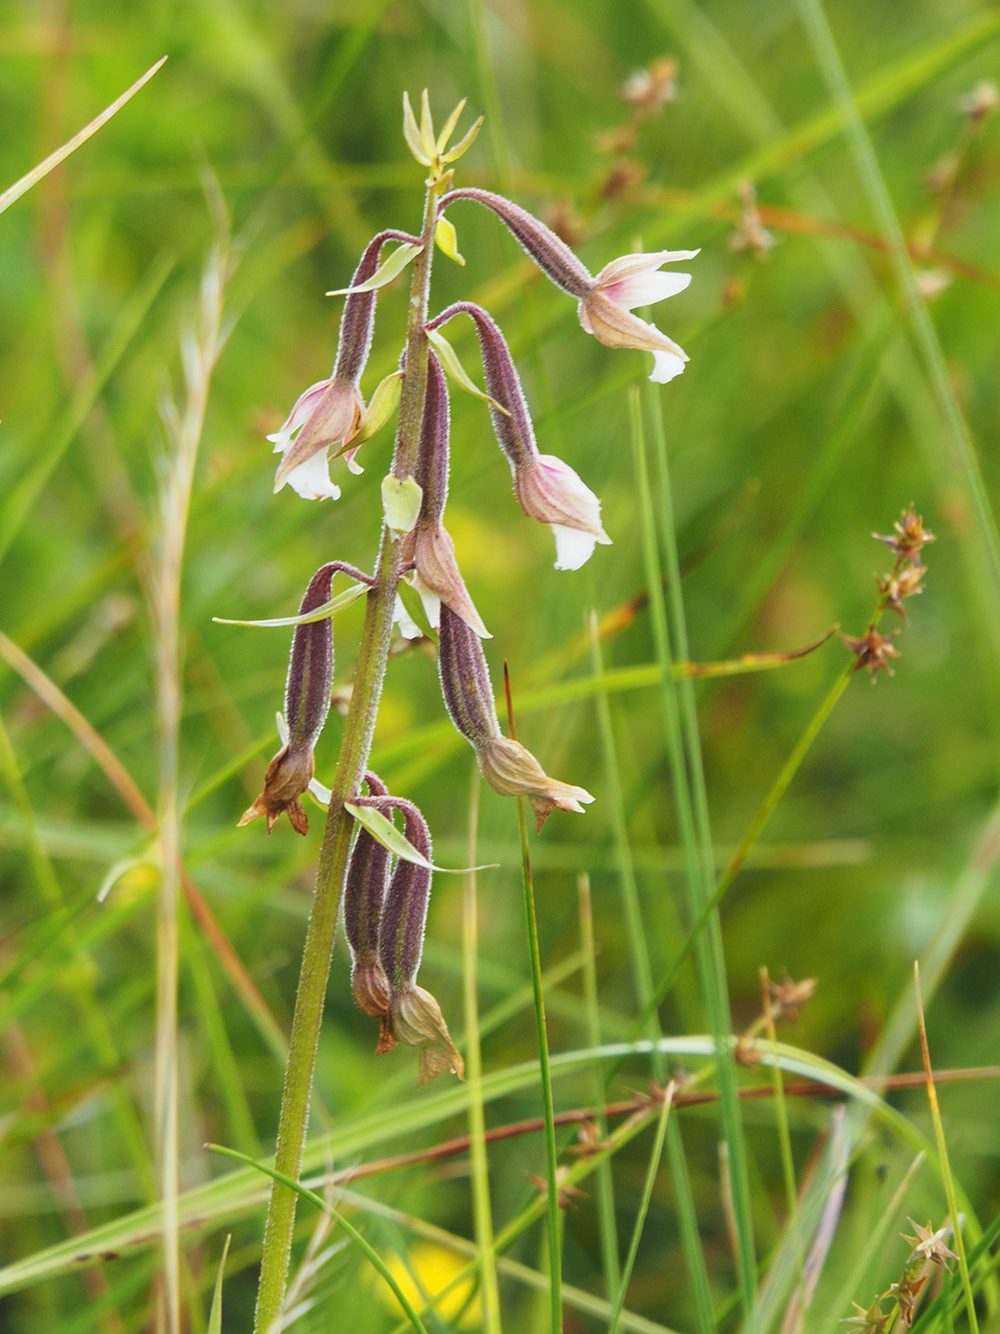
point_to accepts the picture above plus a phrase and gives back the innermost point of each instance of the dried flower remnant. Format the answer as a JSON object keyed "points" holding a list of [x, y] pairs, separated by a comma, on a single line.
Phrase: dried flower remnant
{"points": [[507, 766], [649, 89], [872, 1321], [307, 702], [980, 101], [931, 1245], [905, 1294], [910, 537], [873, 651], [787, 996], [750, 233], [606, 302], [566, 1192], [896, 587]]}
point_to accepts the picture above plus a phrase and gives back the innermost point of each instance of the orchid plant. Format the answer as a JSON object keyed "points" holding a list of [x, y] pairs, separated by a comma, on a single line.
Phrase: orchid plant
{"points": [[385, 907]]}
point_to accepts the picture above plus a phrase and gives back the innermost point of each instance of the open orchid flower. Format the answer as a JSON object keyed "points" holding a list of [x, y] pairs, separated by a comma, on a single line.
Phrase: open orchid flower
{"points": [[607, 301], [328, 413], [331, 413], [546, 488], [635, 280]]}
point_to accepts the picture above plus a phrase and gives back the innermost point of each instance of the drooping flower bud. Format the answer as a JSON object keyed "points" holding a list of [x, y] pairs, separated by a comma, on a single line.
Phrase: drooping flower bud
{"points": [[507, 766], [607, 301], [429, 545], [552, 255], [414, 1016], [331, 412], [546, 488], [364, 895], [307, 702]]}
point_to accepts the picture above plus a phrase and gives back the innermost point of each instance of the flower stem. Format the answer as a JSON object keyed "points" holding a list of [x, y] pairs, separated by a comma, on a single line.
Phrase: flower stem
{"points": [[358, 731]]}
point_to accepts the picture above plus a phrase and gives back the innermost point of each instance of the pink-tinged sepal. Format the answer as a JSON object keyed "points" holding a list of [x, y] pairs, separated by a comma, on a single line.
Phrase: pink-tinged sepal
{"points": [[627, 282], [551, 492], [546, 488], [331, 412], [328, 413]]}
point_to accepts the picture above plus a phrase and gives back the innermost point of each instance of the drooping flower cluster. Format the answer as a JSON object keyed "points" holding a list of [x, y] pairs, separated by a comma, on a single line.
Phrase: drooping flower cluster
{"points": [[384, 919], [388, 875]]}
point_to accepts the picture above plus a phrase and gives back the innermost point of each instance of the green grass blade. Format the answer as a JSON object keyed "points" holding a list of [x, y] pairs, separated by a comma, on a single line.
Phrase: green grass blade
{"points": [[365, 1247]]}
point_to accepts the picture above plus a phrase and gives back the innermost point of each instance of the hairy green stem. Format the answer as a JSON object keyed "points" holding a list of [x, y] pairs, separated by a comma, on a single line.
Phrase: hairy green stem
{"points": [[358, 731]]}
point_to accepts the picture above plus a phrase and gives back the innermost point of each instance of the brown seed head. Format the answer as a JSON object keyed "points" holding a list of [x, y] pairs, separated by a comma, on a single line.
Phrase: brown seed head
{"points": [[873, 652], [895, 587], [910, 537]]}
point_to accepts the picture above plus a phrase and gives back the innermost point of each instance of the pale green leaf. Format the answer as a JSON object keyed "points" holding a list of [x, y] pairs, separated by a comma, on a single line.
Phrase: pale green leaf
{"points": [[449, 360], [215, 1315], [391, 268], [383, 404], [327, 610], [447, 240], [412, 134], [385, 832]]}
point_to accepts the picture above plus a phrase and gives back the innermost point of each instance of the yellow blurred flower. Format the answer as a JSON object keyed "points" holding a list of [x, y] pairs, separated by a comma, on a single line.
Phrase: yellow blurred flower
{"points": [[427, 1271]]}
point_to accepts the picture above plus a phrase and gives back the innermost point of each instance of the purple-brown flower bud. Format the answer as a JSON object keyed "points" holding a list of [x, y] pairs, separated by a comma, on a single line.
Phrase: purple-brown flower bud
{"points": [[546, 488], [364, 894], [331, 411], [552, 255], [307, 702], [429, 545], [414, 1016], [507, 766]]}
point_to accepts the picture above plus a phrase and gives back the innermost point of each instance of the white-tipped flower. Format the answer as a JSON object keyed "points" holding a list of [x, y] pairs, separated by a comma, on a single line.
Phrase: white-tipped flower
{"points": [[635, 280], [551, 492], [546, 488], [331, 413], [607, 301], [328, 413]]}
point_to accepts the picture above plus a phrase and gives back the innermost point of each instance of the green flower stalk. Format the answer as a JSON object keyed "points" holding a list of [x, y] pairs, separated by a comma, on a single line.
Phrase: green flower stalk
{"points": [[385, 915]]}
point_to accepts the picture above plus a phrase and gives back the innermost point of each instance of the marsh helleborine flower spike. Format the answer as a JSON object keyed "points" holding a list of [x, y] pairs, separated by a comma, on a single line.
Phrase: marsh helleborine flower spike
{"points": [[507, 766], [307, 702], [332, 411], [546, 488], [414, 1016], [364, 896], [428, 545], [607, 301]]}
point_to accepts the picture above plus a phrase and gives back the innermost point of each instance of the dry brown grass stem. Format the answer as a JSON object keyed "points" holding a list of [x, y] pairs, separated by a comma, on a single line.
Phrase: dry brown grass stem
{"points": [[200, 349], [124, 784]]}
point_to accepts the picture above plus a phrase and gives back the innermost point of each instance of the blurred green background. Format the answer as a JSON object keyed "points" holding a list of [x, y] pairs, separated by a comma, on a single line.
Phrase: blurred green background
{"points": [[805, 420]]}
